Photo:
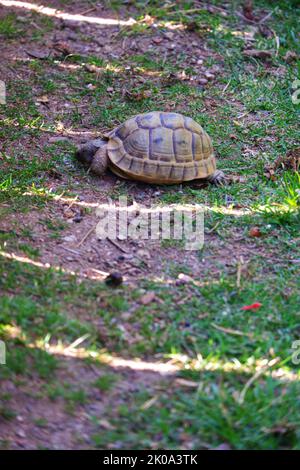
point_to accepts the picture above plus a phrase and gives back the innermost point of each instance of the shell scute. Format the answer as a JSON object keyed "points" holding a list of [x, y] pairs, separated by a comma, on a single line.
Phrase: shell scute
{"points": [[172, 120], [148, 121], [182, 145], [160, 144], [137, 144]]}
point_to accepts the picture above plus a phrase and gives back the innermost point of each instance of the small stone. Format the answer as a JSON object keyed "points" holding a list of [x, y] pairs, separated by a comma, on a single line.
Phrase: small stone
{"points": [[202, 81], [61, 138], [38, 54], [78, 218], [70, 24], [183, 279], [72, 36], [114, 279], [69, 238], [143, 254], [169, 35], [107, 49], [209, 75]]}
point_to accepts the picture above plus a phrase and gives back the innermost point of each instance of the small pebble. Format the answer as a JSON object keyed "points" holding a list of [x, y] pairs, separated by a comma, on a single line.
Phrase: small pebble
{"points": [[77, 218], [114, 279], [209, 76]]}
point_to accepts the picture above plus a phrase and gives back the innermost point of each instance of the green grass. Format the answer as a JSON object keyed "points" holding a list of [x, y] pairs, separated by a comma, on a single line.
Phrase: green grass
{"points": [[105, 382], [8, 26], [46, 301], [252, 120]]}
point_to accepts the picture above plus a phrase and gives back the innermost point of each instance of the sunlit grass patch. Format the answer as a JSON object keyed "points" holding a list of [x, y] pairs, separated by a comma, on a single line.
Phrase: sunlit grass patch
{"points": [[9, 27]]}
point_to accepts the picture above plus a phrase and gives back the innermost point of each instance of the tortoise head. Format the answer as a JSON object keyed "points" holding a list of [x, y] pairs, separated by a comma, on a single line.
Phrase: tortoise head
{"points": [[85, 153]]}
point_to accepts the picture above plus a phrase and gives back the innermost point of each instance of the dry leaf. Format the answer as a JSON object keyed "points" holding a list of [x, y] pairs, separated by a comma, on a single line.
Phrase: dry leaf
{"points": [[255, 232], [106, 424], [149, 403], [147, 298], [38, 54], [62, 47], [290, 161], [248, 10], [290, 56], [43, 99]]}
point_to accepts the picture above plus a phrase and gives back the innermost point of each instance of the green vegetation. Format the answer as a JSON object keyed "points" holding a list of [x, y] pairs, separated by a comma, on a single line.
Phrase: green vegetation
{"points": [[199, 326]]}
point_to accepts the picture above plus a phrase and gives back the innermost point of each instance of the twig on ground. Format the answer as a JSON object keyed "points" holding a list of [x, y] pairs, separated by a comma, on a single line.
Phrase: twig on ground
{"points": [[230, 331], [113, 242], [225, 88], [102, 273], [260, 372], [86, 235], [85, 12], [265, 18], [74, 252]]}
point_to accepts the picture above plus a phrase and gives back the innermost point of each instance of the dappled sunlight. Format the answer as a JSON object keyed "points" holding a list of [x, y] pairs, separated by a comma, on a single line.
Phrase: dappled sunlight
{"points": [[95, 20], [74, 201], [251, 365], [247, 35], [66, 16], [99, 275], [181, 277], [136, 207], [194, 208], [57, 128], [107, 67], [94, 274], [173, 363]]}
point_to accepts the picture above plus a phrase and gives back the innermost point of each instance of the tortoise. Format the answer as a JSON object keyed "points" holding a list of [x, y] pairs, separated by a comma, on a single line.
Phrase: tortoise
{"points": [[155, 147]]}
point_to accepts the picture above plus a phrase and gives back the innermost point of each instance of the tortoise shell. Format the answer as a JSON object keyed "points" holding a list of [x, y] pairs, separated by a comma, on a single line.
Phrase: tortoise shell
{"points": [[161, 147]]}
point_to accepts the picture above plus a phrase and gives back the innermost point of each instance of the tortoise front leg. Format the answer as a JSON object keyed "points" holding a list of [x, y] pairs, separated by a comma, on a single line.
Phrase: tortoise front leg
{"points": [[217, 178], [99, 162]]}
